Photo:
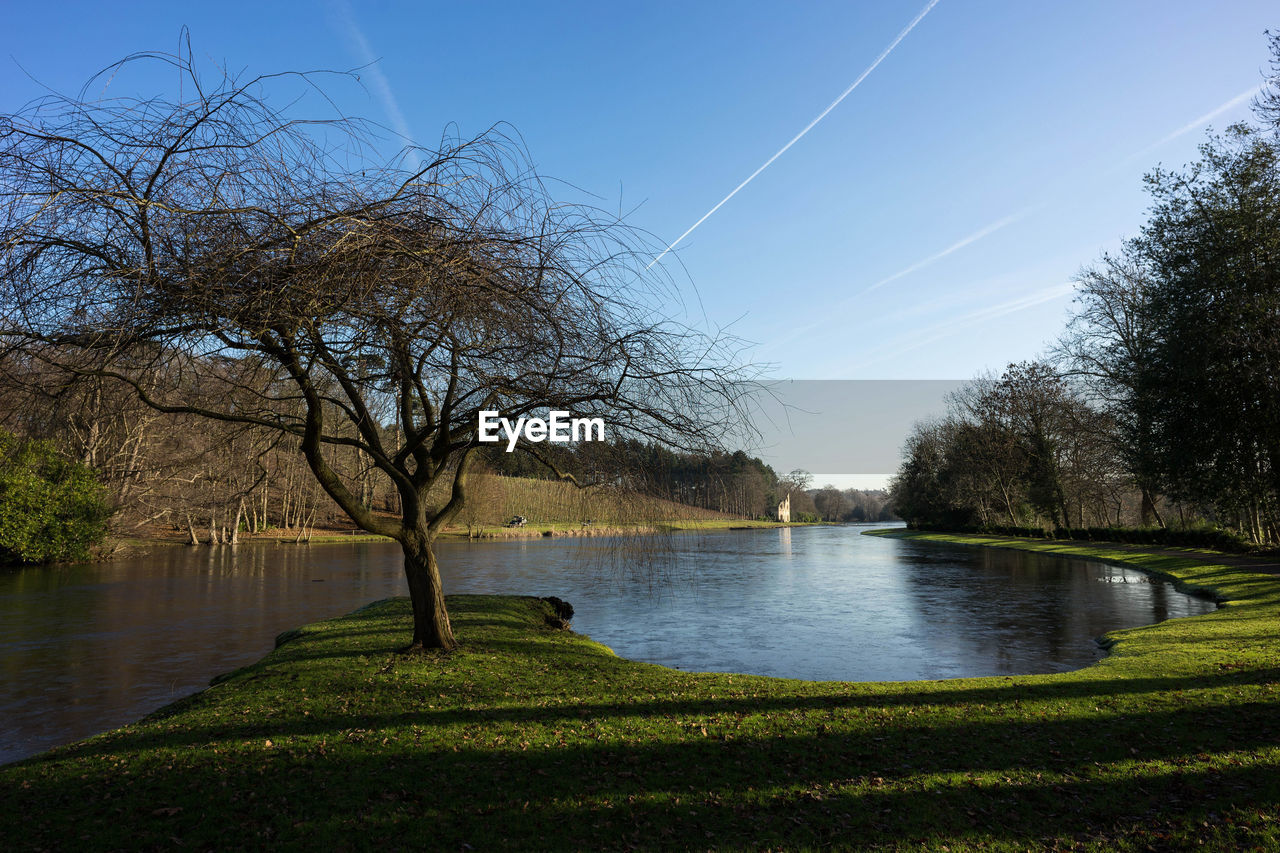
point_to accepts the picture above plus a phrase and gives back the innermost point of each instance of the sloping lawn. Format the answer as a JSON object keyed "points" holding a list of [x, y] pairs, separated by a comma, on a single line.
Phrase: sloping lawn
{"points": [[533, 738]]}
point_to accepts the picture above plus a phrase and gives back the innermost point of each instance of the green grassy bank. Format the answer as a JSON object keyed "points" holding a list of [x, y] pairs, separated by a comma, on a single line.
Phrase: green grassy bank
{"points": [[533, 738]]}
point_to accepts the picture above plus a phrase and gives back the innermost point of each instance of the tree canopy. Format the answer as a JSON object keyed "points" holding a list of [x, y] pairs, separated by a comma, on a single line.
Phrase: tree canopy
{"points": [[1212, 378]]}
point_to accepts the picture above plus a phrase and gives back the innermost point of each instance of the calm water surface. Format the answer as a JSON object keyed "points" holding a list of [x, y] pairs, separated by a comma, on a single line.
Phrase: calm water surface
{"points": [[90, 647]]}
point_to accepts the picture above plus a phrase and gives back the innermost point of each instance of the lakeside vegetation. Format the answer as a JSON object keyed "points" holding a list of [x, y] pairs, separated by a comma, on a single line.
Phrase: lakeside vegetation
{"points": [[70, 495], [532, 530], [537, 738], [50, 507], [550, 509]]}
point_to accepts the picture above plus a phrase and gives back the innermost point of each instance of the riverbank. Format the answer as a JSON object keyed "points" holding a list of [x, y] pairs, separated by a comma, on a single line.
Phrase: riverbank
{"points": [[535, 530], [535, 738], [531, 530]]}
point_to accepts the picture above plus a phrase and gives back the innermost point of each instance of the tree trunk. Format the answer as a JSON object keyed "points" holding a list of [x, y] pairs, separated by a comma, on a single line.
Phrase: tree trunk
{"points": [[1149, 508], [284, 500], [431, 628], [1008, 501]]}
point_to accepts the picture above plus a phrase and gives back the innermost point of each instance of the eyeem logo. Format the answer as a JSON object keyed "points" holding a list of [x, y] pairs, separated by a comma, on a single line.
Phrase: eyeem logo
{"points": [[559, 427]]}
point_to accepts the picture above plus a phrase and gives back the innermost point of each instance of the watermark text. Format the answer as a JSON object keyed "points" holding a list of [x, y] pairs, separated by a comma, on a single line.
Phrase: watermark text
{"points": [[558, 427]]}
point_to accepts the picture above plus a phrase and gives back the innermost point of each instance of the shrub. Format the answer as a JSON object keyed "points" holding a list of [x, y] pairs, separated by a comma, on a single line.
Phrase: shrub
{"points": [[50, 508]]}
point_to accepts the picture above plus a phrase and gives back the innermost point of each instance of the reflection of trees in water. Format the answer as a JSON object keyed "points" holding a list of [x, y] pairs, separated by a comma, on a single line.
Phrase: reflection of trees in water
{"points": [[654, 564], [1029, 612], [93, 646], [1160, 595]]}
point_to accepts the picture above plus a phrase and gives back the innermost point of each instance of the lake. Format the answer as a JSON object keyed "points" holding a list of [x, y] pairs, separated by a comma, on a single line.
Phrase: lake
{"points": [[85, 648]]}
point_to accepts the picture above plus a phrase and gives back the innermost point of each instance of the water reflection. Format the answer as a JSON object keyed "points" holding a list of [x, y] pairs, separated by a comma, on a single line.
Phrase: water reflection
{"points": [[86, 648], [90, 647]]}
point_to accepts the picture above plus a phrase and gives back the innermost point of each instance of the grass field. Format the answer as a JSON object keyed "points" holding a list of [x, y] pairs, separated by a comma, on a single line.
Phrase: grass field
{"points": [[532, 738]]}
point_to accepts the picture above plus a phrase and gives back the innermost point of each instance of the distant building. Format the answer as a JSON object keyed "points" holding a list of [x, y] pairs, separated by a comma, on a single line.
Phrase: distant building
{"points": [[784, 509]]}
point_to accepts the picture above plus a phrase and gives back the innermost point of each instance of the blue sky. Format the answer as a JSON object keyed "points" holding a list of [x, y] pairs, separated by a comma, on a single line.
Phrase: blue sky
{"points": [[928, 227]]}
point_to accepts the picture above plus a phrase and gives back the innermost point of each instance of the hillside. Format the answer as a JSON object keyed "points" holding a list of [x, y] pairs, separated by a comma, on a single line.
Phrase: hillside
{"points": [[551, 508]]}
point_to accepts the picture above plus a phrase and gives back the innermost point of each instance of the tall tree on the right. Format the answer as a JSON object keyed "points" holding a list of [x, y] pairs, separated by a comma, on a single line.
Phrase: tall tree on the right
{"points": [[1212, 377]]}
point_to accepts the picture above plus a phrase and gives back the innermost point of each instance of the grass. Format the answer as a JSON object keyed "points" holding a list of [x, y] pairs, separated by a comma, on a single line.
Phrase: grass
{"points": [[532, 738], [533, 529]]}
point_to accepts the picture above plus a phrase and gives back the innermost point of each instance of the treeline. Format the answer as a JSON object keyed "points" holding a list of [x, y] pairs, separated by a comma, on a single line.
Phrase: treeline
{"points": [[732, 483], [211, 480], [850, 505], [1160, 404], [214, 481]]}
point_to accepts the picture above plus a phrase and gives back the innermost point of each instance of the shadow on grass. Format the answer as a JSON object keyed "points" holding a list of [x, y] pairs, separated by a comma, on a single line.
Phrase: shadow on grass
{"points": [[902, 784], [946, 717]]}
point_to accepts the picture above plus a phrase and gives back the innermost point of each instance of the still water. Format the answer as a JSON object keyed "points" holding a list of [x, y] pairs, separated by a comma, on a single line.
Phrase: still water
{"points": [[86, 648]]}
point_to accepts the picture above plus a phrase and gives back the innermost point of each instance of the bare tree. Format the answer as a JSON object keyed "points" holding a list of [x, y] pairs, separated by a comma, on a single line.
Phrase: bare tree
{"points": [[357, 305], [797, 481], [831, 503], [978, 424], [1108, 343], [1266, 104]]}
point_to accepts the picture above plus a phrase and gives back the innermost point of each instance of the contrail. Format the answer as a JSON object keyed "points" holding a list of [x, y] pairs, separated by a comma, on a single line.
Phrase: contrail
{"points": [[767, 163], [1202, 121], [380, 83], [829, 314], [954, 247], [959, 324]]}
